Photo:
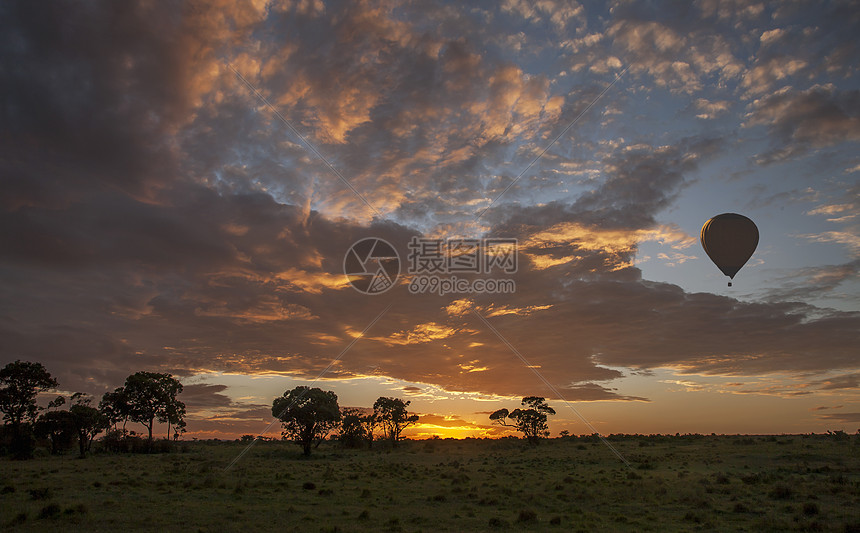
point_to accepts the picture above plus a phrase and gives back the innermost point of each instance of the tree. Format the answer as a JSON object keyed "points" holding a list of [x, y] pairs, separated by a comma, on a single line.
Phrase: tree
{"points": [[178, 429], [356, 427], [56, 426], [57, 402], [392, 416], [308, 415], [20, 383], [81, 422], [87, 420], [530, 421], [149, 396], [114, 407], [174, 415]]}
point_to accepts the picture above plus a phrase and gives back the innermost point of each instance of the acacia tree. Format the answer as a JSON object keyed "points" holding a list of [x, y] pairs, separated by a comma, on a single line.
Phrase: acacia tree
{"points": [[151, 395], [56, 426], [178, 429], [392, 415], [174, 416], [81, 421], [114, 407], [369, 421], [308, 415], [356, 427], [20, 383], [529, 420], [87, 421]]}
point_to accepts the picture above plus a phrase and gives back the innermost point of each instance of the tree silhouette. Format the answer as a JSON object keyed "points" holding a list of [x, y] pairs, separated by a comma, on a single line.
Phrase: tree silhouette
{"points": [[149, 396], [87, 420], [115, 407], [392, 416], [356, 427], [58, 427], [530, 420], [20, 383], [81, 421], [307, 415], [174, 415]]}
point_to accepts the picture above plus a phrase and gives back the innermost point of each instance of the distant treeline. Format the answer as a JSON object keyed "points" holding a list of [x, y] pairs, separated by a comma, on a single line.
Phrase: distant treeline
{"points": [[308, 415], [145, 397]]}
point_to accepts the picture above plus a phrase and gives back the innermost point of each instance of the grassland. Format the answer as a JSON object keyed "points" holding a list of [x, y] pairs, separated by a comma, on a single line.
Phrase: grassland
{"points": [[687, 483]]}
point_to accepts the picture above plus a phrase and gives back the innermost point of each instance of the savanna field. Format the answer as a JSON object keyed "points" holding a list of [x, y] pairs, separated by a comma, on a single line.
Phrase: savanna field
{"points": [[686, 483]]}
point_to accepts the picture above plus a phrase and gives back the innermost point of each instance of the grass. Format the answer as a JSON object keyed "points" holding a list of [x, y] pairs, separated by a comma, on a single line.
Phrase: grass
{"points": [[790, 483]]}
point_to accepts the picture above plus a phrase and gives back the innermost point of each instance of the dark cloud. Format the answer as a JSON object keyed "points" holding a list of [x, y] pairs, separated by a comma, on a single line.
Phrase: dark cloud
{"points": [[635, 184], [800, 121], [825, 407], [800, 44], [93, 92], [841, 417], [847, 381], [805, 284], [205, 396]]}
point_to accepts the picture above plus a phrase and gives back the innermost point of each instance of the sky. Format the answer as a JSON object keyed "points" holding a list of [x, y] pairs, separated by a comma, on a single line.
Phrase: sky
{"points": [[180, 183]]}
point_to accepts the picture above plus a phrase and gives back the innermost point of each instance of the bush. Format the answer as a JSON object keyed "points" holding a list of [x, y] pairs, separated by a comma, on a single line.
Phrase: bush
{"points": [[781, 492], [497, 522], [810, 508], [52, 510], [40, 494], [21, 446]]}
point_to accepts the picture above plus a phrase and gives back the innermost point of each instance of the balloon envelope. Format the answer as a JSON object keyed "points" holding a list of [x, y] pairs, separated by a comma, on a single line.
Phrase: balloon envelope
{"points": [[729, 240]]}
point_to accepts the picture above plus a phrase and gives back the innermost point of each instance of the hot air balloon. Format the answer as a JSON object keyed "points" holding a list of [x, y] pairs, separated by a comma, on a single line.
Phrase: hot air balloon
{"points": [[729, 240]]}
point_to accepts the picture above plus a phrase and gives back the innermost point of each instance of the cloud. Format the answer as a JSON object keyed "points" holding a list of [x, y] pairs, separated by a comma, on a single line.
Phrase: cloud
{"points": [[677, 51], [675, 259], [825, 407], [850, 239], [841, 417], [800, 121], [805, 284], [847, 381], [205, 395], [636, 182], [559, 14], [710, 110], [803, 44]]}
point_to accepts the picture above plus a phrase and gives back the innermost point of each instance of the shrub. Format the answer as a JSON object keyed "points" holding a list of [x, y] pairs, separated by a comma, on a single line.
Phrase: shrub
{"points": [[810, 508], [52, 510], [781, 492], [40, 494]]}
